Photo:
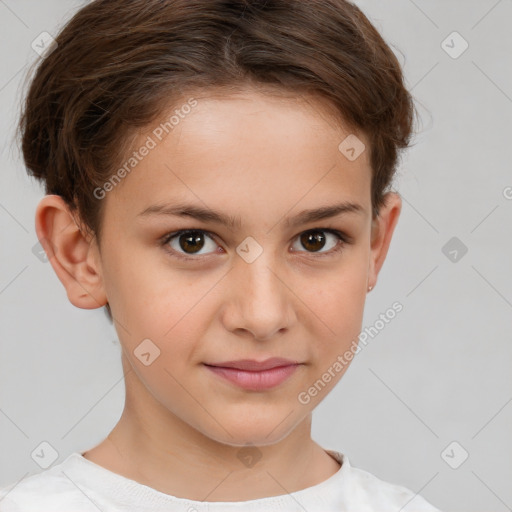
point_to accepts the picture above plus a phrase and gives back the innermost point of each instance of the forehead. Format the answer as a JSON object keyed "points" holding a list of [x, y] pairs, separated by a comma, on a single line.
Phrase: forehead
{"points": [[260, 112], [249, 142]]}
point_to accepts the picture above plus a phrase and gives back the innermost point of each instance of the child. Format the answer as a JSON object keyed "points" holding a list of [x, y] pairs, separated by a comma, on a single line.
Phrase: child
{"points": [[266, 133]]}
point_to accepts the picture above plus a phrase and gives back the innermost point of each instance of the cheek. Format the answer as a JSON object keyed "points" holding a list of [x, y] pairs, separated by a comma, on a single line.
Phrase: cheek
{"points": [[173, 311], [338, 306], [167, 305], [343, 300], [146, 294]]}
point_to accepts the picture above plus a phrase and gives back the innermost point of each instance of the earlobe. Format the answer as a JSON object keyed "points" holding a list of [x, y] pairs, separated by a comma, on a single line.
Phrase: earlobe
{"points": [[73, 256], [382, 231]]}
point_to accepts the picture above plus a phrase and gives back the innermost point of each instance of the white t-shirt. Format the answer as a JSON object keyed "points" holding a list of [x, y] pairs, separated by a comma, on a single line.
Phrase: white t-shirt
{"points": [[80, 485]]}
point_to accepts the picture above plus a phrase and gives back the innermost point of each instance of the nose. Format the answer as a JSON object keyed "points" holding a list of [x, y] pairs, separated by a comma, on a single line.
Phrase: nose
{"points": [[259, 302]]}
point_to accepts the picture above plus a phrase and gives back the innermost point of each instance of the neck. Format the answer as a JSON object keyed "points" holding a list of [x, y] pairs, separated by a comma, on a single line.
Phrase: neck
{"points": [[156, 448]]}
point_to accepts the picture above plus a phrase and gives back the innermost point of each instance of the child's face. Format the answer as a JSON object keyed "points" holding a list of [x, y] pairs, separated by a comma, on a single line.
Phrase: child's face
{"points": [[262, 160]]}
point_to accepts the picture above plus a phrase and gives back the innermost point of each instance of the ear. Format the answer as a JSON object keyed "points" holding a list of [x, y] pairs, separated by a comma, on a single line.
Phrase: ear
{"points": [[73, 255], [381, 233]]}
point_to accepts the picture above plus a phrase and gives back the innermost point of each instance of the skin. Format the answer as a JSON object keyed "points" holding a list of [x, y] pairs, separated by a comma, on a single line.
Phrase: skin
{"points": [[263, 158]]}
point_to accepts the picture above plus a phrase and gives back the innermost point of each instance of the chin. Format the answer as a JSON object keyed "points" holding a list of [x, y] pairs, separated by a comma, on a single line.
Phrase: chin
{"points": [[244, 430]]}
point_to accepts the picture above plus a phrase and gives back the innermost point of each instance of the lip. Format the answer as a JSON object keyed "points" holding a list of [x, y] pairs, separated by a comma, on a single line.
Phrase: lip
{"points": [[253, 365], [275, 371]]}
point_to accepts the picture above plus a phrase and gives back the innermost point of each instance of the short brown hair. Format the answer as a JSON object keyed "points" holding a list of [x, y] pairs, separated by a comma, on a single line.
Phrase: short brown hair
{"points": [[119, 63]]}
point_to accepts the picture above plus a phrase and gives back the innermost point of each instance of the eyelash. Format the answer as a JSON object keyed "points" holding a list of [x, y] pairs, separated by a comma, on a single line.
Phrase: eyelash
{"points": [[343, 240]]}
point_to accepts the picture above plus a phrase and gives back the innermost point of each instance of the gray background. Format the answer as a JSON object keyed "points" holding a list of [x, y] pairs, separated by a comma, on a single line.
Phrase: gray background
{"points": [[439, 372]]}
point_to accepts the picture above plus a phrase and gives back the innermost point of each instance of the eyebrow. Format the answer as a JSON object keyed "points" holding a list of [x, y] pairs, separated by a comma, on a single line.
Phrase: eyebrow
{"points": [[209, 215]]}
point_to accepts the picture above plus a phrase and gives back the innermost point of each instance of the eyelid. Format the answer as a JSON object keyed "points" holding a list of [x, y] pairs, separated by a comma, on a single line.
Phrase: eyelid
{"points": [[343, 239], [164, 241]]}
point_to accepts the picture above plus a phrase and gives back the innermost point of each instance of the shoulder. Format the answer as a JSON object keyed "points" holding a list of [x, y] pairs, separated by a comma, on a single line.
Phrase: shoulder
{"points": [[378, 492], [52, 490], [364, 491]]}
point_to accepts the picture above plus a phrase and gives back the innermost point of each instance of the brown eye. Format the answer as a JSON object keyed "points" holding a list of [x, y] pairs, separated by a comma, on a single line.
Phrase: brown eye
{"points": [[312, 240], [190, 242], [315, 240]]}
